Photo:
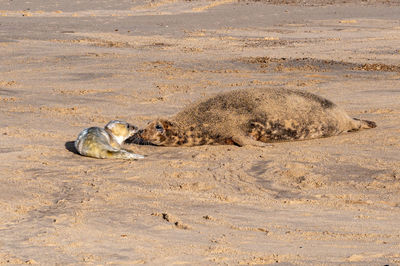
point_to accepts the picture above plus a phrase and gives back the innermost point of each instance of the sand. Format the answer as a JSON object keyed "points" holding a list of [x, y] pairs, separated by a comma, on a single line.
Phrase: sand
{"points": [[69, 65]]}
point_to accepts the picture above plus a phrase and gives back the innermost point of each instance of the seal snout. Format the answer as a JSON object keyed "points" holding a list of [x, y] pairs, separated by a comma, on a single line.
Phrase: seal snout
{"points": [[136, 138], [134, 129]]}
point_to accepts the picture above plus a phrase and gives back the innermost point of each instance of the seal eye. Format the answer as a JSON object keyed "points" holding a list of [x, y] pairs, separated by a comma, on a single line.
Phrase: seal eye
{"points": [[159, 128]]}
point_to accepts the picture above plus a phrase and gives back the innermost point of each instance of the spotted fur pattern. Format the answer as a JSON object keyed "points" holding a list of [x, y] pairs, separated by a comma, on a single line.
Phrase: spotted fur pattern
{"points": [[274, 131], [250, 117], [166, 133]]}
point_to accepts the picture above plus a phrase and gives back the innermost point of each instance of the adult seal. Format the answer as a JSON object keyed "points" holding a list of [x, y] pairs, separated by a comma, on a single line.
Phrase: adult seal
{"points": [[251, 117]]}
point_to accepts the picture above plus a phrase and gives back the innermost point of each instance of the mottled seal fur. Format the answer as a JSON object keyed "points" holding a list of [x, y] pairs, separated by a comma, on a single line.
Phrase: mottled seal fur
{"points": [[106, 142], [251, 116]]}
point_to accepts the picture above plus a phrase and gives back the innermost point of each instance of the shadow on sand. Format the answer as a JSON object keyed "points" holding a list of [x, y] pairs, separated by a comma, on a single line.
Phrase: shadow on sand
{"points": [[69, 145]]}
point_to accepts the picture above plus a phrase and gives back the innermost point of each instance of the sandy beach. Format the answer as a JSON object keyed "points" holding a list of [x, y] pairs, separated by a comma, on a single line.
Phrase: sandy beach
{"points": [[69, 65]]}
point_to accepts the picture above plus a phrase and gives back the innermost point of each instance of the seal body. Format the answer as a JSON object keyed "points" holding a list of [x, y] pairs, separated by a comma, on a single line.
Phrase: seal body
{"points": [[106, 142], [252, 116]]}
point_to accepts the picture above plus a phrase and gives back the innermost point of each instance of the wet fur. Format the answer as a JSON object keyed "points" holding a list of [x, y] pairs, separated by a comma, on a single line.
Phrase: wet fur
{"points": [[252, 116]]}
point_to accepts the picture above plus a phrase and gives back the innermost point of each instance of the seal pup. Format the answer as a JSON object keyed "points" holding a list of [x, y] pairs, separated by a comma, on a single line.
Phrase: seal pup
{"points": [[251, 117], [106, 142]]}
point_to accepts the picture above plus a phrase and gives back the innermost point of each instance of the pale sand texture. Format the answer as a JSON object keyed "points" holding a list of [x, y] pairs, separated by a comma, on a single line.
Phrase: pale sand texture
{"points": [[68, 65]]}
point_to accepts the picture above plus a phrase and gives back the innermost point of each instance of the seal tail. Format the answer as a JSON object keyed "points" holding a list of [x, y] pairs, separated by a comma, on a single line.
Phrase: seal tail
{"points": [[365, 124]]}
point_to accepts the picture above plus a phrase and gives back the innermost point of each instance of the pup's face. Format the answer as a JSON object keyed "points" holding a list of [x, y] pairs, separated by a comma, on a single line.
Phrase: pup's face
{"points": [[120, 130], [159, 132]]}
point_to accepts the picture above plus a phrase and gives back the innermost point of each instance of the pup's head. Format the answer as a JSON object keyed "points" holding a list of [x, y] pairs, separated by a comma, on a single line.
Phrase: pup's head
{"points": [[120, 130], [159, 132]]}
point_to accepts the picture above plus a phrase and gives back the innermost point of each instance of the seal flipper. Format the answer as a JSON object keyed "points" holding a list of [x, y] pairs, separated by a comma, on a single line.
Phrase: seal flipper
{"points": [[364, 124], [124, 154], [241, 141]]}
